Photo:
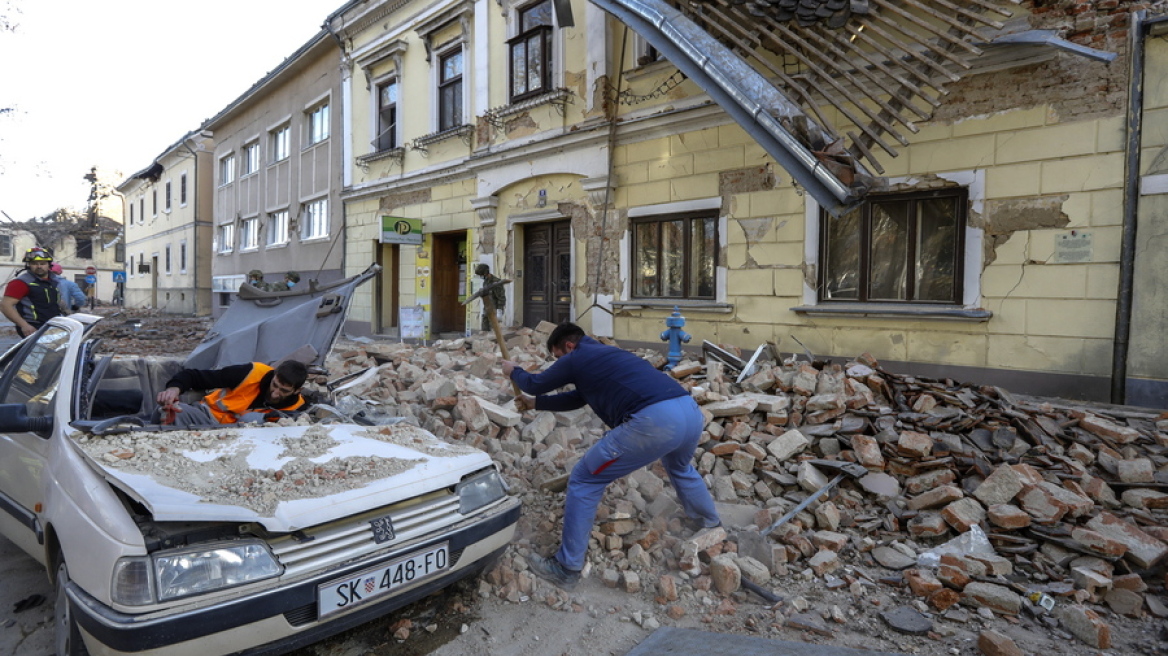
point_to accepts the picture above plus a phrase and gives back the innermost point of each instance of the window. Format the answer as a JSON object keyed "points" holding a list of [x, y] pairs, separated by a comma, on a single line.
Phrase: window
{"points": [[318, 124], [249, 234], [531, 52], [226, 237], [900, 248], [675, 256], [281, 137], [131, 266], [315, 220], [278, 228], [141, 210], [37, 376], [251, 158], [131, 212], [167, 260], [154, 202], [450, 90], [85, 249], [386, 116], [166, 198], [182, 189], [6, 245], [119, 252], [182, 256], [227, 170]]}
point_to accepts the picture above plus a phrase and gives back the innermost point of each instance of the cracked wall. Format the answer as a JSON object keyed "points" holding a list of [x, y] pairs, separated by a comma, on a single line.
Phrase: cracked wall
{"points": [[1002, 218]]}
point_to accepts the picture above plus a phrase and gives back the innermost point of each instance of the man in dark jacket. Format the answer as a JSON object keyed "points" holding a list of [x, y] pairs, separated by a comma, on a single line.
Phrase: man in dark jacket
{"points": [[33, 297], [652, 418], [240, 393]]}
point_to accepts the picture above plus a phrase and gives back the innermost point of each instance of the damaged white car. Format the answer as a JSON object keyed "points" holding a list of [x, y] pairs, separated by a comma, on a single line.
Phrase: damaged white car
{"points": [[249, 540]]}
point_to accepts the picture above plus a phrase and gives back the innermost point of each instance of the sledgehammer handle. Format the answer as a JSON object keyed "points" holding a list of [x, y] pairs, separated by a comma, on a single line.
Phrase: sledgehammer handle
{"points": [[490, 309], [806, 502]]}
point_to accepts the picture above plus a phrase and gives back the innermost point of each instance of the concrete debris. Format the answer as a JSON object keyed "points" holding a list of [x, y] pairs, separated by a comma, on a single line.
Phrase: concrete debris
{"points": [[1074, 500]]}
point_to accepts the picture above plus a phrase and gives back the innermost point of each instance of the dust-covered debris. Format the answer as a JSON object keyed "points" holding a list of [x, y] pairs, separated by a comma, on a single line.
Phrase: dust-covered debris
{"points": [[1071, 500], [213, 464]]}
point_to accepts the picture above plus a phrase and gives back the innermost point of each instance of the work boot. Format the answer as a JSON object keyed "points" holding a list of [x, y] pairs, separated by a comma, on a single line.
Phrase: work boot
{"points": [[696, 524], [550, 569]]}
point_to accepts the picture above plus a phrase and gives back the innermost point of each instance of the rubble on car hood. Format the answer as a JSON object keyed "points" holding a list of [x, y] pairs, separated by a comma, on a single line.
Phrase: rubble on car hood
{"points": [[1072, 499], [286, 477]]}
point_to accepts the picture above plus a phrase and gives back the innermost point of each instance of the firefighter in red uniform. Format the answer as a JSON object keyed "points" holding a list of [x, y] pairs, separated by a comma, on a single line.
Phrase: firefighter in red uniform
{"points": [[240, 393], [33, 297]]}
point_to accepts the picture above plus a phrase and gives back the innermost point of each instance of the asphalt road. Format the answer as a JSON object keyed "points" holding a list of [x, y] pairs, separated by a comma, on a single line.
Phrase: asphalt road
{"points": [[28, 632]]}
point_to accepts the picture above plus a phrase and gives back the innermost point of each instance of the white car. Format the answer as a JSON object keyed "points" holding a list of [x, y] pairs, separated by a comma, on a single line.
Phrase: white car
{"points": [[251, 540]]}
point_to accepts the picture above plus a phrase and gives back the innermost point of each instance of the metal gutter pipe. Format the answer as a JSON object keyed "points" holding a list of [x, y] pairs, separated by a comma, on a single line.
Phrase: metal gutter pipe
{"points": [[742, 92], [1131, 197]]}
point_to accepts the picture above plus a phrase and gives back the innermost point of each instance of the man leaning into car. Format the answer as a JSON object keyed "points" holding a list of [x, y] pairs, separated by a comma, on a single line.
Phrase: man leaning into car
{"points": [[239, 393]]}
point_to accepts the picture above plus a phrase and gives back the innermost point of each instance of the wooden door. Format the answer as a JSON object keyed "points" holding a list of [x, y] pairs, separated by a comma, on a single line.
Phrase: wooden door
{"points": [[448, 275], [547, 273]]}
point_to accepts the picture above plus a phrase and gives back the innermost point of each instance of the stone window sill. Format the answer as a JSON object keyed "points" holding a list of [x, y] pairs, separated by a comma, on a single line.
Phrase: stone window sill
{"points": [[685, 305], [882, 310]]}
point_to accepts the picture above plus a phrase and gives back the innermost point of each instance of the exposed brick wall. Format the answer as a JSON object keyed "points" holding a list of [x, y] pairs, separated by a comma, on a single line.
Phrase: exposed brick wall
{"points": [[1075, 87], [393, 201]]}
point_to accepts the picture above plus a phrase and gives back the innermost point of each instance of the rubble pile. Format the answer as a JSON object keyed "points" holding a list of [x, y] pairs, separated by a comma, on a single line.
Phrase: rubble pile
{"points": [[980, 511], [149, 332]]}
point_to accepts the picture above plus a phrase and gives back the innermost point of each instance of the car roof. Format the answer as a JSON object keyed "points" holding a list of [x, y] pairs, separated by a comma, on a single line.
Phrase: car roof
{"points": [[268, 327]]}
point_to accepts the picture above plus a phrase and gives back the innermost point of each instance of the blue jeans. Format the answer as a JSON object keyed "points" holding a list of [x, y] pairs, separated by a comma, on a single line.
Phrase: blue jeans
{"points": [[667, 431]]}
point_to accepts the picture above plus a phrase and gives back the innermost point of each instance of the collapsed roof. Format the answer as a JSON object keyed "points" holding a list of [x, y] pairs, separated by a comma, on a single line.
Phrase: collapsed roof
{"points": [[779, 66]]}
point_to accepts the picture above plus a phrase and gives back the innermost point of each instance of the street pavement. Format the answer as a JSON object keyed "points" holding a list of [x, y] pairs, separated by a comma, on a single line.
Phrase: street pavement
{"points": [[28, 632]]}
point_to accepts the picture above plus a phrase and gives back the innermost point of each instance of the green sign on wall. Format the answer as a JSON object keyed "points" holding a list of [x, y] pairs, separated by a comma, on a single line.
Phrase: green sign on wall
{"points": [[396, 230]]}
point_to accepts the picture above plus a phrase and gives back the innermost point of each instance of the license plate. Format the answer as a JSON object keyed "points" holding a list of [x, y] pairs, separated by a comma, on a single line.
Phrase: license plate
{"points": [[377, 582]]}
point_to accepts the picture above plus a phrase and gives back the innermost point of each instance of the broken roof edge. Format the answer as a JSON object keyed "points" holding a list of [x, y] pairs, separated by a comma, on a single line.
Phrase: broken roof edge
{"points": [[1052, 39], [741, 92]]}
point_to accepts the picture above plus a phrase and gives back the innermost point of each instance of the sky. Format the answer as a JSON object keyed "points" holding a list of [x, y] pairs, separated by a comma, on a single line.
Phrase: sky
{"points": [[113, 83]]}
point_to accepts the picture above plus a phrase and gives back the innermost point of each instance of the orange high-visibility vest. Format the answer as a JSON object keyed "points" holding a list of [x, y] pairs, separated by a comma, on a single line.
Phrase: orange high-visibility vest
{"points": [[227, 404]]}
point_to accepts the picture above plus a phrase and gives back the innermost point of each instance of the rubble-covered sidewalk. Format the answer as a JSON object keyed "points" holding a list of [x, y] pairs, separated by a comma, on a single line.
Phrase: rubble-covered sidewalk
{"points": [[1072, 501]]}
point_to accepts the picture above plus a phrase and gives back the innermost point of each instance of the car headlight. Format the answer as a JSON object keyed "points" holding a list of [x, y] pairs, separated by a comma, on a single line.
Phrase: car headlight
{"points": [[175, 574], [479, 490]]}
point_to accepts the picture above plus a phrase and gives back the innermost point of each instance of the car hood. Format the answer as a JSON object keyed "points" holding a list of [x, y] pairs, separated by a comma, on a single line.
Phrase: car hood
{"points": [[263, 326], [284, 477]]}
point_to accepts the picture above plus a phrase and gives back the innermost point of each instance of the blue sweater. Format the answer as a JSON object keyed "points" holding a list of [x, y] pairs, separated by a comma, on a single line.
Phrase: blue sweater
{"points": [[614, 382]]}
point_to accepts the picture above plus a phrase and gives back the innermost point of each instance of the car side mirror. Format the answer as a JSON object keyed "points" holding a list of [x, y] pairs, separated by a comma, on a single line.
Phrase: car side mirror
{"points": [[14, 419]]}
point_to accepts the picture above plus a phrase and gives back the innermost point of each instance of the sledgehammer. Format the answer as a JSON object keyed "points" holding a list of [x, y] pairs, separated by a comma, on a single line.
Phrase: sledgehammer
{"points": [[485, 293]]}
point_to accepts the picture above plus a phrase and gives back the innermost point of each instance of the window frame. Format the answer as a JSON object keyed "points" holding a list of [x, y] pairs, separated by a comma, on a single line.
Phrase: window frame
{"points": [[167, 261], [225, 239], [281, 140], [154, 202], [308, 220], [277, 223], [318, 123], [688, 272], [385, 139], [226, 169], [249, 234], [867, 260], [182, 189], [182, 256], [455, 86], [524, 37], [83, 248], [250, 162], [167, 195]]}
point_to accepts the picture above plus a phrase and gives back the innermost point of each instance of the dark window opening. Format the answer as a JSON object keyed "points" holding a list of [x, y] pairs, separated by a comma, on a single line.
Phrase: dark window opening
{"points": [[387, 116], [898, 248], [85, 249], [531, 52], [450, 91], [675, 257]]}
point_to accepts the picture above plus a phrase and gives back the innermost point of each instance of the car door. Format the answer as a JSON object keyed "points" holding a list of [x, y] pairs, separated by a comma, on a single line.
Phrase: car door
{"points": [[31, 377]]}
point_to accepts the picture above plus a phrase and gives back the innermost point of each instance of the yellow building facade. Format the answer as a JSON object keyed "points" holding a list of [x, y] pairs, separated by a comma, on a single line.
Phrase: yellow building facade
{"points": [[610, 189]]}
